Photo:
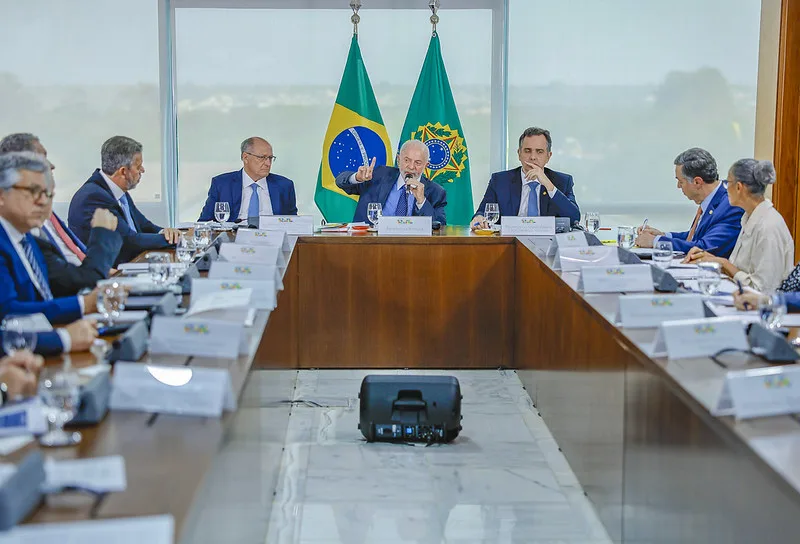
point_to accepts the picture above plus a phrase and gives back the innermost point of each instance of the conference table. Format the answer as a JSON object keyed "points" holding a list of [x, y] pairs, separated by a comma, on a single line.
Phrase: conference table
{"points": [[636, 430]]}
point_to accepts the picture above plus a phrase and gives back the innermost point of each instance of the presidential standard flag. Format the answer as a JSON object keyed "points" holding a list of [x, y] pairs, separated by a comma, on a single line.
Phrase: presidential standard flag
{"points": [[432, 118], [355, 135]]}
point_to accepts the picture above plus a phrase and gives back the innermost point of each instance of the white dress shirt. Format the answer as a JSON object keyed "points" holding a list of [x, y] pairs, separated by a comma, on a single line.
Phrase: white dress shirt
{"points": [[400, 183], [526, 194], [70, 257], [115, 189], [264, 202]]}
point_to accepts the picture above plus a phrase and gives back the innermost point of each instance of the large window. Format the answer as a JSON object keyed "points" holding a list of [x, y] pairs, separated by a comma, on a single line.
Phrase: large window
{"points": [[626, 85]]}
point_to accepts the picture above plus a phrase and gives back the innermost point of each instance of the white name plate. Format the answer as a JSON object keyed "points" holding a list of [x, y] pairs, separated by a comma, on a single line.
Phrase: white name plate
{"points": [[181, 390], [405, 226], [22, 418], [699, 337], [100, 474], [223, 270], [512, 225], [253, 254], [622, 278], [644, 311], [263, 297], [571, 239], [201, 337], [760, 392], [257, 237], [299, 225], [151, 529], [572, 259]]}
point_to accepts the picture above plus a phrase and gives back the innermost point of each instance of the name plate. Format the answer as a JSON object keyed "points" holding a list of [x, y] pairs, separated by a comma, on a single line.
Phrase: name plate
{"points": [[644, 311], [405, 226], [699, 337], [572, 259], [615, 279], [253, 254], [150, 529], [257, 237], [181, 390], [571, 239], [760, 392], [512, 225], [22, 418], [299, 225], [263, 297], [223, 270], [201, 337]]}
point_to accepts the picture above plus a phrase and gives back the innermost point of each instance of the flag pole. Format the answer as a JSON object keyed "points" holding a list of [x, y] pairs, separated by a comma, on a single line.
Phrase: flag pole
{"points": [[434, 5], [355, 5]]}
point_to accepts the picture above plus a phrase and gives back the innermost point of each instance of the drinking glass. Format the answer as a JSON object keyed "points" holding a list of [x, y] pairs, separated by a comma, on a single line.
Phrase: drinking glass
{"points": [[222, 211], [625, 237], [491, 213], [111, 299], [201, 235], [158, 266], [592, 222], [374, 213], [708, 277], [59, 390], [662, 254], [100, 349], [772, 308], [17, 334], [185, 249]]}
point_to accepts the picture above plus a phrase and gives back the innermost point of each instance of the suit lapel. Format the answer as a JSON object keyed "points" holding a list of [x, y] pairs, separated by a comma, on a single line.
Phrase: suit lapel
{"points": [[274, 195], [71, 234], [235, 185], [705, 219], [98, 180], [516, 190]]}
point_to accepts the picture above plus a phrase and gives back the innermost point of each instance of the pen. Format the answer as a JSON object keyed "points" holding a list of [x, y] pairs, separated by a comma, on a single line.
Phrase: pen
{"points": [[709, 250], [644, 224], [741, 292]]}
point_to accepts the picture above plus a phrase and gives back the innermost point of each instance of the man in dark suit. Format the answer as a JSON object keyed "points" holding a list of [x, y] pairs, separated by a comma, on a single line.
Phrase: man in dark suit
{"points": [[108, 188], [253, 190], [716, 224], [531, 189], [402, 191]]}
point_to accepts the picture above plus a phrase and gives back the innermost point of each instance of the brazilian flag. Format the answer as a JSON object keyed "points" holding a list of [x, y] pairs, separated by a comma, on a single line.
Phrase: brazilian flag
{"points": [[433, 119], [355, 135]]}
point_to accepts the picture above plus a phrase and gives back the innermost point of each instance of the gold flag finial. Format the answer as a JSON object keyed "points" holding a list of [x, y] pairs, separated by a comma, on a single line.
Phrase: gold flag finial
{"points": [[434, 5], [355, 5]]}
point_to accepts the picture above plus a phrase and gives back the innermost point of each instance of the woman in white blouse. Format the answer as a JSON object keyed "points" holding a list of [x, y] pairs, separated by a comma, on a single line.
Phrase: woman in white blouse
{"points": [[764, 251]]}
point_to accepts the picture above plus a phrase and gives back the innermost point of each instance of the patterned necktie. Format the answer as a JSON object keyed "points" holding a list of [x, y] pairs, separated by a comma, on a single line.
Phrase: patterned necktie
{"points": [[533, 200], [253, 208], [402, 203], [123, 202], [71, 245], [37, 270], [696, 222]]}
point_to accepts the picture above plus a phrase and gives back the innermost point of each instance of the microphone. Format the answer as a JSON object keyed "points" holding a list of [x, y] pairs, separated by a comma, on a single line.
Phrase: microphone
{"points": [[408, 176]]}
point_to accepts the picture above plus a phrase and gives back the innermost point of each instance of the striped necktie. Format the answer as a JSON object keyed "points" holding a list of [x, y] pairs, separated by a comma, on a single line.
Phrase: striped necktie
{"points": [[402, 203], [44, 287]]}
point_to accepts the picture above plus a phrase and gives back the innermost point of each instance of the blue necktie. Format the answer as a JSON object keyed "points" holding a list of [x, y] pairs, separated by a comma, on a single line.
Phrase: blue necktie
{"points": [[253, 208], [402, 203], [37, 270], [533, 200], [123, 202]]}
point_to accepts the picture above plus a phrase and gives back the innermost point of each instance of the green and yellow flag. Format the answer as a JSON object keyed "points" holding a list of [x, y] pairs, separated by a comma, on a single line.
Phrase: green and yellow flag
{"points": [[356, 134], [432, 118]]}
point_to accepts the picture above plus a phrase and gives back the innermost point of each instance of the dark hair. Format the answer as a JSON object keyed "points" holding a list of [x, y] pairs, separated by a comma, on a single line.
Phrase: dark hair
{"points": [[118, 151], [754, 174], [536, 131], [698, 163], [20, 141]]}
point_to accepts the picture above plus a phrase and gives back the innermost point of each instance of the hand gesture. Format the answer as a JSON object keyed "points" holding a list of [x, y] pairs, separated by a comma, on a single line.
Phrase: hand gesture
{"points": [[104, 219], [536, 172], [172, 236], [82, 333], [479, 222], [365, 172], [417, 189]]}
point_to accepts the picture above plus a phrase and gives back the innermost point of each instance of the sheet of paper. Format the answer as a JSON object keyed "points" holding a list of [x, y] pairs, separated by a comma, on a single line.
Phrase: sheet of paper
{"points": [[127, 316], [151, 529], [100, 474], [10, 444], [35, 323], [219, 300]]}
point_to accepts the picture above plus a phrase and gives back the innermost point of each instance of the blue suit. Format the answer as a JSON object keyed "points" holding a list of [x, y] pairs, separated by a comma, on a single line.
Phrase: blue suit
{"points": [[228, 188], [384, 180], [94, 194], [505, 189], [718, 227], [792, 301]]}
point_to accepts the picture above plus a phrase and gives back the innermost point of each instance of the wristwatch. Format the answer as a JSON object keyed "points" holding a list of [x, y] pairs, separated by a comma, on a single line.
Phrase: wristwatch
{"points": [[3, 393]]}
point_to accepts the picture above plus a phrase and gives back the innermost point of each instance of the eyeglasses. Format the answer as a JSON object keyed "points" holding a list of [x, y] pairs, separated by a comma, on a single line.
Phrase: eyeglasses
{"points": [[263, 158], [35, 192]]}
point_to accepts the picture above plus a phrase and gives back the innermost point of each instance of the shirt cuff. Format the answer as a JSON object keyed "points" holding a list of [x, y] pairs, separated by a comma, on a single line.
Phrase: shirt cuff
{"points": [[66, 341], [419, 206], [552, 193], [743, 277], [352, 180], [82, 304]]}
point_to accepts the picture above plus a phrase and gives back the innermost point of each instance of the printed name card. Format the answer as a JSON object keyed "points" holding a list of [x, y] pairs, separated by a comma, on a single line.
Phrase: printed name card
{"points": [[223, 270], [181, 390], [196, 336], [405, 226], [150, 529], [241, 253], [760, 392], [572, 259], [299, 225], [263, 296], [22, 418], [257, 237], [571, 239], [699, 337], [99, 474], [511, 225], [616, 279], [644, 311]]}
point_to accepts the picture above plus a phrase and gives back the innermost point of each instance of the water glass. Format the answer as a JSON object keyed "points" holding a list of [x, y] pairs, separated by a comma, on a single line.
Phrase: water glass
{"points": [[201, 235], [158, 266], [662, 254], [491, 213], [59, 390], [592, 222], [625, 237], [17, 334], [772, 309], [708, 278], [111, 299], [100, 349], [222, 211], [374, 213]]}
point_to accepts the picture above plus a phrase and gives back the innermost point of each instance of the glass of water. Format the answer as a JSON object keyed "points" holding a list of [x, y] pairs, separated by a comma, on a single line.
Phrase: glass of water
{"points": [[201, 235], [708, 277], [772, 309], [111, 299], [17, 334], [158, 267], [374, 213], [625, 237], [222, 211], [491, 213], [662, 253], [60, 392], [592, 222]]}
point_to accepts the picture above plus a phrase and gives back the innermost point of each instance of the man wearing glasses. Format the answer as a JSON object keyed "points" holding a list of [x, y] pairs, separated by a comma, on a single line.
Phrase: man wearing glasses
{"points": [[253, 190]]}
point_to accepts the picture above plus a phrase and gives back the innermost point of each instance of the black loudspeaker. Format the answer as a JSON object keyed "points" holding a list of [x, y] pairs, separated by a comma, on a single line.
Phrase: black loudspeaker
{"points": [[410, 408], [663, 282], [203, 264]]}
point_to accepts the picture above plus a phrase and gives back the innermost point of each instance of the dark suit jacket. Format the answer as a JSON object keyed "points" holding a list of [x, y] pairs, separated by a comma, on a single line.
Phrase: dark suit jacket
{"points": [[719, 227], [505, 189], [67, 279], [94, 194], [378, 188], [228, 188], [75, 240]]}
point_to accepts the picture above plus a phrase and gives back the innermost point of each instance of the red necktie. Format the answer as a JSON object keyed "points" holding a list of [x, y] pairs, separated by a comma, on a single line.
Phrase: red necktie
{"points": [[696, 222], [66, 238]]}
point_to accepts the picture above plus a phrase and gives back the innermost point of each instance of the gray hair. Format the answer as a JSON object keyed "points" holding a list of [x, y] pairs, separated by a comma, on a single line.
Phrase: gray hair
{"points": [[408, 144], [118, 151], [754, 174], [20, 141], [247, 145], [698, 163], [536, 131], [12, 163]]}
